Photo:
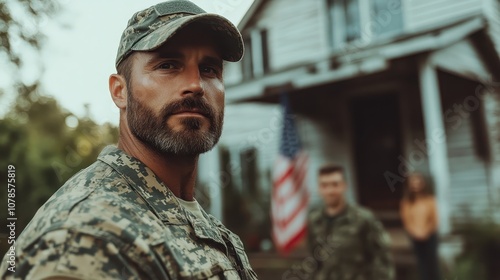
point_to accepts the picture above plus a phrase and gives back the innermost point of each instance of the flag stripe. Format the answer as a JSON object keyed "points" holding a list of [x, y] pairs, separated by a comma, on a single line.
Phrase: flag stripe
{"points": [[289, 232], [290, 196], [296, 212], [284, 177], [298, 184]]}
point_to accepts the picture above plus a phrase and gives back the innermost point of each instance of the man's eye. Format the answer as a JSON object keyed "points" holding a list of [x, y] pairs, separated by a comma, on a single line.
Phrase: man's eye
{"points": [[209, 70], [166, 65]]}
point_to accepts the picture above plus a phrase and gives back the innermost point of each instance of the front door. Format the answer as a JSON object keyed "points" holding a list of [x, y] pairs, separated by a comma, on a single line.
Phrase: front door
{"points": [[377, 147]]}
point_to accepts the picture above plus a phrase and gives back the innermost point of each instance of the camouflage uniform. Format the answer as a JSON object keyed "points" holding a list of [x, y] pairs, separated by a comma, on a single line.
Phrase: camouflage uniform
{"points": [[117, 220], [354, 246]]}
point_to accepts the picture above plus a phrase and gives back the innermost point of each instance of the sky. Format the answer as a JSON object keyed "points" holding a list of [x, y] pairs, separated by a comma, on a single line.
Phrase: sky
{"points": [[79, 53]]}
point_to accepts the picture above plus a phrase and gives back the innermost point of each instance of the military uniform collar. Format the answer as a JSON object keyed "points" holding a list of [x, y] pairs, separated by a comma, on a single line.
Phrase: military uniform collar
{"points": [[143, 180], [345, 215], [340, 214], [157, 195]]}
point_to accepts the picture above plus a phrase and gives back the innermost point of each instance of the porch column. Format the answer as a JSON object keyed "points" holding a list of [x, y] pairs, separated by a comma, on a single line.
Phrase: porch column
{"points": [[215, 185], [435, 132], [209, 175]]}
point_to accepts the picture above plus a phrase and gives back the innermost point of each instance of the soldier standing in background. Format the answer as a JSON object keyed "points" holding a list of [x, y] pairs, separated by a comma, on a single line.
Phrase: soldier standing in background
{"points": [[346, 241], [132, 214]]}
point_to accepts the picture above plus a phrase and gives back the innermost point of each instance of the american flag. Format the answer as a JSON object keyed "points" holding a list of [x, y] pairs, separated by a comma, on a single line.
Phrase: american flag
{"points": [[290, 195]]}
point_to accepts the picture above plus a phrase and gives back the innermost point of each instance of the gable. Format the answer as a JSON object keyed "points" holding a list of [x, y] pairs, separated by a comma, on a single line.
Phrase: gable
{"points": [[462, 59]]}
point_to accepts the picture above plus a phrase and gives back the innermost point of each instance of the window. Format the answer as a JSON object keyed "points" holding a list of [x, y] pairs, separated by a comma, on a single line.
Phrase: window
{"points": [[363, 20], [249, 172], [345, 21], [256, 60], [352, 20], [387, 17], [265, 51], [247, 62]]}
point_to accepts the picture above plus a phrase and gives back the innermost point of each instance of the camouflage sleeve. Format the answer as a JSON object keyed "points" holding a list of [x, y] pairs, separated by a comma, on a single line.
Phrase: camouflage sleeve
{"points": [[312, 218], [68, 254], [310, 236], [377, 248]]}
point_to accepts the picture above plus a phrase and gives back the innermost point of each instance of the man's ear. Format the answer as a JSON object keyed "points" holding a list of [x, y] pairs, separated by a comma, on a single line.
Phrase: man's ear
{"points": [[118, 90]]}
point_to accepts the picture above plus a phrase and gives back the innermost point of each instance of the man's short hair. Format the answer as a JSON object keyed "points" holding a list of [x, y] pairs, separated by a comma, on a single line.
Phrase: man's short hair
{"points": [[125, 69], [330, 168]]}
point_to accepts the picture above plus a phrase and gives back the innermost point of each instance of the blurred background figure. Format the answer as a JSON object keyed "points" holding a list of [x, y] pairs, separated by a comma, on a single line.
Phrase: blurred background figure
{"points": [[420, 220], [346, 241]]}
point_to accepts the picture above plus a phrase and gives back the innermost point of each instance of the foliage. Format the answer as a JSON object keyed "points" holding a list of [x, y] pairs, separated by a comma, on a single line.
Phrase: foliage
{"points": [[44, 150], [21, 22], [480, 258], [34, 135]]}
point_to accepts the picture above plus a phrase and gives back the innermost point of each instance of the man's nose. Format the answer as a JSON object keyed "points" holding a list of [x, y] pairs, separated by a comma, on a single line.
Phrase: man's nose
{"points": [[193, 81]]}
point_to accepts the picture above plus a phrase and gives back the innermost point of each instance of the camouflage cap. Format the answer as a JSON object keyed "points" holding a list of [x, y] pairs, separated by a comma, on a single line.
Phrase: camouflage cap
{"points": [[150, 28]]}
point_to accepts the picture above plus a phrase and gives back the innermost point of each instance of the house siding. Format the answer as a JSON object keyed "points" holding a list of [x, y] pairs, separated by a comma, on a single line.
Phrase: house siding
{"points": [[469, 185], [232, 73], [252, 126], [428, 14], [297, 33], [492, 13], [492, 113]]}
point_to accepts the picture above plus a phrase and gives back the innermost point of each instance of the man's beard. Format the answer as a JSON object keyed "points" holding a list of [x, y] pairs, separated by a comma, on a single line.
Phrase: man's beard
{"points": [[155, 132]]}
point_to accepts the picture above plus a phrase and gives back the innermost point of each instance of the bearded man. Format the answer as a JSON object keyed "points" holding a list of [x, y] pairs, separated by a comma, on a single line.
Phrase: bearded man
{"points": [[132, 214]]}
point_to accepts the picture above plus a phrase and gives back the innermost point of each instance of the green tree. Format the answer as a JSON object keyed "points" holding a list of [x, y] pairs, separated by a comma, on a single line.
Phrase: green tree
{"points": [[21, 25], [45, 151], [34, 134]]}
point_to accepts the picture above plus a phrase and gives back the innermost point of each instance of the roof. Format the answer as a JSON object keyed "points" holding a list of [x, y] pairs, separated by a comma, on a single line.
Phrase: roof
{"points": [[256, 6]]}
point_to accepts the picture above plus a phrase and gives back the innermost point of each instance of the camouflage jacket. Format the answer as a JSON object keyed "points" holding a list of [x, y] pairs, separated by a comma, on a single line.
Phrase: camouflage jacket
{"points": [[116, 220], [354, 246]]}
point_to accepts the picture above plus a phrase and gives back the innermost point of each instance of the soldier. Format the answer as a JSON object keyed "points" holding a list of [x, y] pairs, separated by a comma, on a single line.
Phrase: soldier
{"points": [[346, 241], [132, 214]]}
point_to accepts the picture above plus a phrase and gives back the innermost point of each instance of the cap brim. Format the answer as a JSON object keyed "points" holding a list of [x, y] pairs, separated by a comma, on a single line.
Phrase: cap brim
{"points": [[230, 41]]}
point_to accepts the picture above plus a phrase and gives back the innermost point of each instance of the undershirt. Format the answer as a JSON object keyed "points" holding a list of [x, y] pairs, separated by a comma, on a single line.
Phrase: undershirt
{"points": [[194, 208]]}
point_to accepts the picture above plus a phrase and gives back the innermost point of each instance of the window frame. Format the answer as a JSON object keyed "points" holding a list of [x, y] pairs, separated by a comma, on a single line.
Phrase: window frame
{"points": [[256, 62], [337, 34]]}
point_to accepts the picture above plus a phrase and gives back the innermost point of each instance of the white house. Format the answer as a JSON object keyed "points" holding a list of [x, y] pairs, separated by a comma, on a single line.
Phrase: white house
{"points": [[382, 87]]}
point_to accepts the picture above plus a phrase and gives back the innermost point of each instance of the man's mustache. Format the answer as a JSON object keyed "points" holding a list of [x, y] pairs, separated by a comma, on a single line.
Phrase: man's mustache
{"points": [[186, 104]]}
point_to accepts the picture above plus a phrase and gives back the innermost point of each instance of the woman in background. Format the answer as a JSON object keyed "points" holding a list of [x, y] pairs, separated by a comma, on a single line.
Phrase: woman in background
{"points": [[420, 220]]}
